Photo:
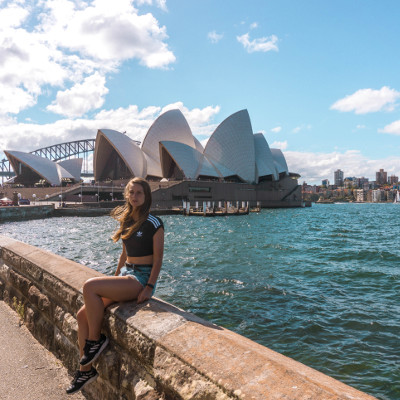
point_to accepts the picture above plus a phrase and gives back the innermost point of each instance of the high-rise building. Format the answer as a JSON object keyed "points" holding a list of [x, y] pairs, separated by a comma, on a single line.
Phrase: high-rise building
{"points": [[362, 182], [339, 175], [381, 177], [393, 179]]}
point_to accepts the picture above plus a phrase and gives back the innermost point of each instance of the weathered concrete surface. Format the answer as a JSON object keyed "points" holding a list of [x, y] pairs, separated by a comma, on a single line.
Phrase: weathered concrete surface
{"points": [[250, 370], [156, 350], [28, 370]]}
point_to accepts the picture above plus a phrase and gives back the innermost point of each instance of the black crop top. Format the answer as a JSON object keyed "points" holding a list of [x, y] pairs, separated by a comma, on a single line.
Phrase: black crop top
{"points": [[140, 243]]}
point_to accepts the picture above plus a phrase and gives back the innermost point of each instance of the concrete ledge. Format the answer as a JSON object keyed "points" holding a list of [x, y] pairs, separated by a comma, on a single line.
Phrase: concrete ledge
{"points": [[157, 350], [45, 211], [81, 212], [25, 212]]}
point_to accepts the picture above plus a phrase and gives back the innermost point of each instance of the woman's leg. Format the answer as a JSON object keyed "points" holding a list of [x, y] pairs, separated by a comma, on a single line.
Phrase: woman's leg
{"points": [[115, 288], [98, 293], [83, 330]]}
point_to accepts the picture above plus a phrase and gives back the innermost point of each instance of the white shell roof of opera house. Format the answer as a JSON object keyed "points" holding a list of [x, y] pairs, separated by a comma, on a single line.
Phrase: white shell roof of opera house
{"points": [[232, 150]]}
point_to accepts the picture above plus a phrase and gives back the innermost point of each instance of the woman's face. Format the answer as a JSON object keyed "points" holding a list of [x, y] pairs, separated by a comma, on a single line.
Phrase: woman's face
{"points": [[136, 195]]}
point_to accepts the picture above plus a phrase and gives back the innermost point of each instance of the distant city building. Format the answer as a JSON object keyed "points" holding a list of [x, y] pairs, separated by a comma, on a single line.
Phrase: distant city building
{"points": [[389, 195], [378, 196], [381, 177], [373, 185], [365, 185], [362, 183], [307, 188], [393, 179], [325, 182], [338, 177], [349, 182], [360, 195]]}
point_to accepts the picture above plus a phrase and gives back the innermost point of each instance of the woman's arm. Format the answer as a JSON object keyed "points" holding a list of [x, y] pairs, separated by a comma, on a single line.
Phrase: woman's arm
{"points": [[158, 253], [122, 260]]}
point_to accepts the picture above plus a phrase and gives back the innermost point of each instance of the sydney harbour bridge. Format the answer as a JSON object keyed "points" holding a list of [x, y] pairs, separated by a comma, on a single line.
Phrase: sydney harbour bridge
{"points": [[77, 149]]}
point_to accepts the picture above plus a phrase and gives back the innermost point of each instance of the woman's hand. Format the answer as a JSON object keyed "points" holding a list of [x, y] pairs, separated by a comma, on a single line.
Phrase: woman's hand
{"points": [[145, 294]]}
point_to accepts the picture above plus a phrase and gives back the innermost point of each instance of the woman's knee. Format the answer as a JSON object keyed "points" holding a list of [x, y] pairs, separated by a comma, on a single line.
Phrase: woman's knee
{"points": [[89, 286], [81, 315]]}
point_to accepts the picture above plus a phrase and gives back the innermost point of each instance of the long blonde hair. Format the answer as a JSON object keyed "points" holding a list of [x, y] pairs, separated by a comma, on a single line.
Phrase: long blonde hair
{"points": [[131, 218]]}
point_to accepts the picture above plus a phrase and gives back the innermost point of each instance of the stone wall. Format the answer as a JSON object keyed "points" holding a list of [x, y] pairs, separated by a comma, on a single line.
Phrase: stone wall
{"points": [[156, 351], [25, 212]]}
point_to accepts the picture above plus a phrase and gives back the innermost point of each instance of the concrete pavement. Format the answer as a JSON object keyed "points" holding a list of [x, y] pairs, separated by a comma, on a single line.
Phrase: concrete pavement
{"points": [[27, 370]]}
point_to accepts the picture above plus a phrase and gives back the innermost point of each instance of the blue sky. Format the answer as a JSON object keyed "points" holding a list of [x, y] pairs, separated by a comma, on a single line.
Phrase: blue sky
{"points": [[319, 78]]}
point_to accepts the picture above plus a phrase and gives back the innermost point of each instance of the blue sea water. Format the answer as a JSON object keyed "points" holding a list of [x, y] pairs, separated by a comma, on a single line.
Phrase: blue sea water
{"points": [[320, 285]]}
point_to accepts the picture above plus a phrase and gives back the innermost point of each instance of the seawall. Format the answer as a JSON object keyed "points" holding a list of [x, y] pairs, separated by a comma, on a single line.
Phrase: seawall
{"points": [[26, 212], [47, 211], [157, 350]]}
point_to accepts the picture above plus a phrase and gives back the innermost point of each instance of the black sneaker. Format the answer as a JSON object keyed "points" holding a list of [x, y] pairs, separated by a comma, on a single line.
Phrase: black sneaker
{"points": [[81, 379], [93, 349]]}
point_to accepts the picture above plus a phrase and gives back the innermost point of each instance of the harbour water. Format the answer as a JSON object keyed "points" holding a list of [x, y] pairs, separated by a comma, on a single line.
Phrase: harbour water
{"points": [[320, 285]]}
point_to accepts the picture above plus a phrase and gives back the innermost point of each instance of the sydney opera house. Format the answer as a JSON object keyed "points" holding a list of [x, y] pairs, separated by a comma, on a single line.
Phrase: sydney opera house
{"points": [[30, 169], [170, 151], [234, 165]]}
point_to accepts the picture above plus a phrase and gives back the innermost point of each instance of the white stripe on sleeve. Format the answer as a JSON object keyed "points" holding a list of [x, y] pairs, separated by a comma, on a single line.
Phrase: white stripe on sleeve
{"points": [[156, 223]]}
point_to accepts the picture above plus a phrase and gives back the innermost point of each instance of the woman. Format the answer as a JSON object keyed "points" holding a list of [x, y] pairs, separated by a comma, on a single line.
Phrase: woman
{"points": [[142, 253]]}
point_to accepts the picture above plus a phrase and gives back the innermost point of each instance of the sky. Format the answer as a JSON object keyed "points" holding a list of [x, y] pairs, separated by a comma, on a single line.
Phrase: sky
{"points": [[320, 79]]}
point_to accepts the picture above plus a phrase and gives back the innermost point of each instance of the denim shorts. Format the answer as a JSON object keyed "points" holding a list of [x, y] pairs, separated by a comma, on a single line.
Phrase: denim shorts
{"points": [[141, 272]]}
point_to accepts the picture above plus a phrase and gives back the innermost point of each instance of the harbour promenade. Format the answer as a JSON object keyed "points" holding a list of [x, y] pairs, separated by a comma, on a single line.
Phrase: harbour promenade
{"points": [[28, 371], [157, 350]]}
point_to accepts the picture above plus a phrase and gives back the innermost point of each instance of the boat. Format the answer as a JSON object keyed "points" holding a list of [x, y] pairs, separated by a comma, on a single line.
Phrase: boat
{"points": [[217, 212], [397, 198], [326, 201], [5, 201], [213, 210]]}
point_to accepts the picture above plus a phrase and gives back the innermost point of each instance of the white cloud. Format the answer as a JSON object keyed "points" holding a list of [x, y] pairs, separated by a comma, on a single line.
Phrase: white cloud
{"points": [[254, 25], [279, 145], [81, 98], [360, 127], [12, 16], [57, 43], [159, 3], [31, 136], [108, 34], [277, 129], [302, 127], [263, 44], [26, 65], [313, 167], [368, 100], [214, 37], [393, 128], [14, 99]]}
